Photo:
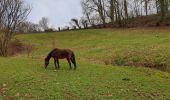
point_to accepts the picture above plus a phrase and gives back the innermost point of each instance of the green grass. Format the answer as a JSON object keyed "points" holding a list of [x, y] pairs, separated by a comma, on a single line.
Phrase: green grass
{"points": [[23, 77]]}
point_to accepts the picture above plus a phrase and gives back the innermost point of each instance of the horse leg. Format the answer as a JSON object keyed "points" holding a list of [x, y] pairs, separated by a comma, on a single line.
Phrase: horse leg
{"points": [[69, 63], [72, 60], [58, 63], [55, 64]]}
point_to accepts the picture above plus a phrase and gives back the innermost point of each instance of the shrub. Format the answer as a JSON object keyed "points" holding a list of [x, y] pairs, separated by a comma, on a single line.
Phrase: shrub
{"points": [[49, 30], [16, 47]]}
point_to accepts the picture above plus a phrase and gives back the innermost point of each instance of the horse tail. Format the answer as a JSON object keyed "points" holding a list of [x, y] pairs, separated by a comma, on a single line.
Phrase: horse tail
{"points": [[73, 60]]}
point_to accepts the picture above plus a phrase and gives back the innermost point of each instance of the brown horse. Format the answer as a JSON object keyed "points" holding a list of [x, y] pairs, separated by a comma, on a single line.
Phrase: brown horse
{"points": [[61, 54]]}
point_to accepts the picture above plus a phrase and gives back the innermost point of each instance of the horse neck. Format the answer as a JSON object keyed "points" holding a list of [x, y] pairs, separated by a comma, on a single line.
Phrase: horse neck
{"points": [[49, 56]]}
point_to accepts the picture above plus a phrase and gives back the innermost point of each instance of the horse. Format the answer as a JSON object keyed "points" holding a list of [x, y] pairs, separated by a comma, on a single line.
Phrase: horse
{"points": [[57, 54]]}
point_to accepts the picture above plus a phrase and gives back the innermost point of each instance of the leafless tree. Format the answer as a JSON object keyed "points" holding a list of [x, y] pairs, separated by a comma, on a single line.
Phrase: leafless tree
{"points": [[84, 22], [76, 22], [112, 8], [95, 7], [86, 11], [12, 13], [126, 9], [121, 10], [28, 27], [44, 23], [163, 5]]}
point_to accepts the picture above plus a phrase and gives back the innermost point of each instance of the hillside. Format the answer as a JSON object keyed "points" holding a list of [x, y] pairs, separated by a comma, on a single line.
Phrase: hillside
{"points": [[102, 55], [153, 21]]}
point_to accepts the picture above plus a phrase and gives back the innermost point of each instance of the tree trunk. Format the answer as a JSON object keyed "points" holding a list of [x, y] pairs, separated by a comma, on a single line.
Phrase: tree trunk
{"points": [[101, 11], [88, 18], [4, 44], [157, 6], [112, 8], [146, 7], [126, 9], [162, 7], [118, 13]]}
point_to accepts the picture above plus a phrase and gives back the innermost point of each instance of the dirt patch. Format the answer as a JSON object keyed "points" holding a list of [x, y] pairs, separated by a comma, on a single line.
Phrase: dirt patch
{"points": [[3, 90]]}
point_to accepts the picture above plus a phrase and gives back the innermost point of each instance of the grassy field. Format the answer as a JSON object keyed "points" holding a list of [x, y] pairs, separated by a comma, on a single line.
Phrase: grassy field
{"points": [[23, 77]]}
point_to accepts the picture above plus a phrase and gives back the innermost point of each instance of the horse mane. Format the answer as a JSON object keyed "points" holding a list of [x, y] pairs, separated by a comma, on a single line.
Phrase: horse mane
{"points": [[49, 55]]}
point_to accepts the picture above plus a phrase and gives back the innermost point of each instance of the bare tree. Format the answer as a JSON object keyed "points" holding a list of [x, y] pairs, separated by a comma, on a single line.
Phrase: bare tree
{"points": [[126, 9], [44, 23], [146, 6], [76, 22], [112, 11], [84, 22], [118, 12], [163, 6], [95, 7], [28, 27], [103, 11], [12, 13], [86, 11]]}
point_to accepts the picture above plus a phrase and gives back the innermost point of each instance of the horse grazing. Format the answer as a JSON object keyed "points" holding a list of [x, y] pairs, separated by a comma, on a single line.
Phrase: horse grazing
{"points": [[61, 54]]}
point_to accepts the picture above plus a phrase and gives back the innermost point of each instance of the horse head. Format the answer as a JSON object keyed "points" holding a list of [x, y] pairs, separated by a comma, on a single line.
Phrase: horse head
{"points": [[46, 63]]}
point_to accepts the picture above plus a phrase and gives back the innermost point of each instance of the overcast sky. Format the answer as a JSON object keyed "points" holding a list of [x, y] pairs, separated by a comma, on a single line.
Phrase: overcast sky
{"points": [[59, 12]]}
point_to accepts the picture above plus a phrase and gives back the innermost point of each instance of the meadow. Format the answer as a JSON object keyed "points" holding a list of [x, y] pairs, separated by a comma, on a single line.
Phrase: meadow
{"points": [[112, 64]]}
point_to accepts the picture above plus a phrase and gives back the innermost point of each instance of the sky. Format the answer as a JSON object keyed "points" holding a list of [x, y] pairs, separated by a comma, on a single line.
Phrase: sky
{"points": [[59, 12]]}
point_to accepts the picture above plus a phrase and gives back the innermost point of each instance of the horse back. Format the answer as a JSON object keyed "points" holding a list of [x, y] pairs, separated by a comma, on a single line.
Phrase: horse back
{"points": [[62, 53]]}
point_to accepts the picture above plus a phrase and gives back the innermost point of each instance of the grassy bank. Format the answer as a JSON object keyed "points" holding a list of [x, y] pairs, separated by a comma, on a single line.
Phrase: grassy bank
{"points": [[23, 77], [123, 47]]}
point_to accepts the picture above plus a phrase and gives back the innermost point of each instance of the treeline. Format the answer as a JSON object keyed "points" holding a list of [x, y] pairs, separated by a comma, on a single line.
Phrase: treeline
{"points": [[30, 27], [119, 12], [109, 13]]}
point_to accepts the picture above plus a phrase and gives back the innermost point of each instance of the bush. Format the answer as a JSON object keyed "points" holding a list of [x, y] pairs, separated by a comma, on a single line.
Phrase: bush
{"points": [[16, 47], [49, 30]]}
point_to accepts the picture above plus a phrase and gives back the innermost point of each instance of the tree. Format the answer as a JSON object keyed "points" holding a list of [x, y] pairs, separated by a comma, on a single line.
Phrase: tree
{"points": [[84, 22], [146, 6], [164, 5], [118, 18], [126, 9], [44, 23], [96, 7], [87, 12], [103, 11], [112, 11], [28, 27], [76, 22], [12, 13]]}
